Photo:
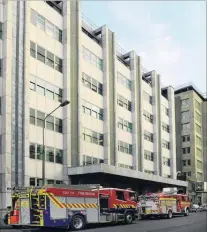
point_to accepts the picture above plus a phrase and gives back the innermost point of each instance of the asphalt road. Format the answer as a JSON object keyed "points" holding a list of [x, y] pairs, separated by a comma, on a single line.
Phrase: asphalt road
{"points": [[196, 222]]}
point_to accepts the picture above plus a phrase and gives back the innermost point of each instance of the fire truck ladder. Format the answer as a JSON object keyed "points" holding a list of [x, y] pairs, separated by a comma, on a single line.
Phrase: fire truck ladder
{"points": [[35, 207], [76, 187]]}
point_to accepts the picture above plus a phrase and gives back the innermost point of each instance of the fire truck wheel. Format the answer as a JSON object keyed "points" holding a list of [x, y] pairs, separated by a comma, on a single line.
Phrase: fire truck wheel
{"points": [[170, 214], [186, 212], [77, 222], [128, 218]]}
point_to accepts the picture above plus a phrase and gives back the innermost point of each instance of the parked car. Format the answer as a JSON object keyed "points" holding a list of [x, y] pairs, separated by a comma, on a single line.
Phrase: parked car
{"points": [[195, 208]]}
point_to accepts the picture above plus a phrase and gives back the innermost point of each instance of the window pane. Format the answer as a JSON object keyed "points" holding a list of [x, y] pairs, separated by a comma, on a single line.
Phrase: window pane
{"points": [[32, 86], [49, 94], [59, 156], [39, 152], [40, 119], [32, 116], [41, 22], [32, 181], [58, 125], [49, 154], [32, 151], [50, 28], [40, 90], [50, 123], [41, 54], [50, 59], [32, 49]]}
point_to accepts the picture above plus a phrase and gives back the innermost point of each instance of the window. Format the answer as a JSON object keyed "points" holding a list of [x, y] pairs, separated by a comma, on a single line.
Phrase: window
{"points": [[198, 117], [50, 181], [185, 115], [32, 86], [1, 30], [148, 136], [197, 105], [148, 117], [39, 182], [32, 182], [125, 147], [32, 49], [92, 58], [40, 90], [199, 176], [93, 137], [58, 94], [147, 97], [148, 155], [32, 151], [198, 129], [58, 34], [58, 64], [149, 172], [198, 141], [50, 123], [49, 94], [185, 102], [185, 126], [166, 161], [50, 59], [40, 119], [88, 160], [59, 182], [32, 116], [120, 195], [92, 110], [125, 166], [165, 110], [165, 127], [58, 125], [50, 154], [165, 144], [123, 80], [39, 152], [186, 162], [50, 28], [123, 102], [124, 125], [41, 54], [58, 156], [41, 22], [186, 150], [186, 138], [92, 84]]}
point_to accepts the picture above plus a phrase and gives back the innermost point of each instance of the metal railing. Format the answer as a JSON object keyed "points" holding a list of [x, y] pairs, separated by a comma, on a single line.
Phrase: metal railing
{"points": [[191, 84], [92, 25]]}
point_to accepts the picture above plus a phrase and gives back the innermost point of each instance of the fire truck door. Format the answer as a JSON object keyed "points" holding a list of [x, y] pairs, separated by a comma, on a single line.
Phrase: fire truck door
{"points": [[24, 211]]}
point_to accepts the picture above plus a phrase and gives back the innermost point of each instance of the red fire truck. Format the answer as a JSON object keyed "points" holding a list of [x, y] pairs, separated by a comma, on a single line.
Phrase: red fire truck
{"points": [[72, 206], [164, 205]]}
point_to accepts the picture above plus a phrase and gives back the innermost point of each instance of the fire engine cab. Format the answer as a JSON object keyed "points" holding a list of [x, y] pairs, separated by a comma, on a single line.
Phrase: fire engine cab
{"points": [[72, 206], [164, 205]]}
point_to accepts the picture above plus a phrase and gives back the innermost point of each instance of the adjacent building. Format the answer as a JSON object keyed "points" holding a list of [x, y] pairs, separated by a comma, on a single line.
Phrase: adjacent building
{"points": [[120, 120], [191, 129]]}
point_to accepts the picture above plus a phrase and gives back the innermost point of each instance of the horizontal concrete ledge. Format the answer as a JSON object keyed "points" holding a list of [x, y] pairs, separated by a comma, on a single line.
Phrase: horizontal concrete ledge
{"points": [[109, 169]]}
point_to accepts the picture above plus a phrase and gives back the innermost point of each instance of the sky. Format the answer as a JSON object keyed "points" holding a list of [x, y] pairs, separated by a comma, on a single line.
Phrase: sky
{"points": [[170, 36]]}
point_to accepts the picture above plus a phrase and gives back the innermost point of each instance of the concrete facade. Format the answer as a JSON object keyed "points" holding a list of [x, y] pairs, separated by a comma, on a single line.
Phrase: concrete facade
{"points": [[118, 114], [190, 106]]}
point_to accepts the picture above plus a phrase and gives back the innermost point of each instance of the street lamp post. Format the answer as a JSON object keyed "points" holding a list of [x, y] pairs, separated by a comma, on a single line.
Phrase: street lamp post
{"points": [[43, 139]]}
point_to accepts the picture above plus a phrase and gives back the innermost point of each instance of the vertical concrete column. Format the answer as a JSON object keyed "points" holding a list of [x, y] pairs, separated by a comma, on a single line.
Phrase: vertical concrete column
{"points": [[171, 99], [27, 92], [109, 92], [156, 104], [137, 111], [74, 33], [6, 89]]}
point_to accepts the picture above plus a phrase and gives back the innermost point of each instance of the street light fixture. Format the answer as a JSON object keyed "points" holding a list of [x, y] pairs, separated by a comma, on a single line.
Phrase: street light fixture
{"points": [[65, 103]]}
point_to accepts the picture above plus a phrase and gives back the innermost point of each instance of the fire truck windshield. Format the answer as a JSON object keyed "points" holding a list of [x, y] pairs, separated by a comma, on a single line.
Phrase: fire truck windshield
{"points": [[132, 196]]}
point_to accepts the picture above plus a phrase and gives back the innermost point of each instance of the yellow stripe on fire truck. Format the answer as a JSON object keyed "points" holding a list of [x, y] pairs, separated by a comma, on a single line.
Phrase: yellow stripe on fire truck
{"points": [[123, 206], [80, 206]]}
